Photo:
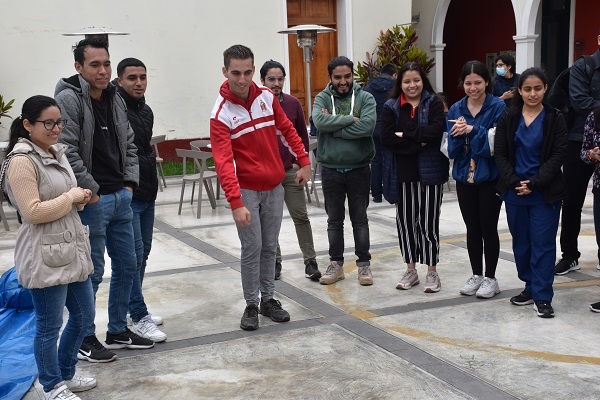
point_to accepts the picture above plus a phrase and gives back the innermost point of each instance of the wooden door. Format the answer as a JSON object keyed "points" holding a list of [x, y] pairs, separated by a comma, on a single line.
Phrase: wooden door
{"points": [[318, 12]]}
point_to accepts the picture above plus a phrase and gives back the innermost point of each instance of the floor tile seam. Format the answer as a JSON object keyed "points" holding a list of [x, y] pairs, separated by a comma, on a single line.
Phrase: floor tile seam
{"points": [[300, 296], [220, 338], [437, 367], [418, 305], [195, 243]]}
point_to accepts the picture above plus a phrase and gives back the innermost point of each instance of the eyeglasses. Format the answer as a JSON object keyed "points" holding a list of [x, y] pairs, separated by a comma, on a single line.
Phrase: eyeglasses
{"points": [[49, 124], [276, 78]]}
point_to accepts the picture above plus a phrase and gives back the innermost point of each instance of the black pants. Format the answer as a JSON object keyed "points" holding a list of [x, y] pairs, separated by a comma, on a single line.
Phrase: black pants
{"points": [[480, 209], [577, 177]]}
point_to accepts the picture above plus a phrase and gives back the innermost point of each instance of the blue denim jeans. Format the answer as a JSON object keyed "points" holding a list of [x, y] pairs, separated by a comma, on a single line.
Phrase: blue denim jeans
{"points": [[143, 226], [111, 229], [336, 186], [56, 365]]}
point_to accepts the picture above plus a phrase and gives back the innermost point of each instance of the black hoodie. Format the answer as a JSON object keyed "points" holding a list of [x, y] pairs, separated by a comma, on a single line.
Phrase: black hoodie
{"points": [[380, 87]]}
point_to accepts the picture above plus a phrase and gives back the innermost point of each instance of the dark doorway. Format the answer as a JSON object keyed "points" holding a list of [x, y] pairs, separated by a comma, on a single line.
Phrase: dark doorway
{"points": [[555, 36]]}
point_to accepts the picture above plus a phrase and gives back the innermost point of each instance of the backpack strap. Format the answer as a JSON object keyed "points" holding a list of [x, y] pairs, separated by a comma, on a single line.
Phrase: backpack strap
{"points": [[590, 67]]}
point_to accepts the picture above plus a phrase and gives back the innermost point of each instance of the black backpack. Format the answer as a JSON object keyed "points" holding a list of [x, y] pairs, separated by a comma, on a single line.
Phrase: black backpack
{"points": [[558, 95]]}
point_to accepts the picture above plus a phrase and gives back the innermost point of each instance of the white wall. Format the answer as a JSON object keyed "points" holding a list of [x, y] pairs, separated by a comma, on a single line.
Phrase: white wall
{"points": [[180, 42], [370, 17]]}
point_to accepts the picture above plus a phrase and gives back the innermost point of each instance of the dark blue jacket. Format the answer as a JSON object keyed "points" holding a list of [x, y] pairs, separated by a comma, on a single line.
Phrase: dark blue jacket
{"points": [[502, 84], [473, 162], [380, 87], [418, 155]]}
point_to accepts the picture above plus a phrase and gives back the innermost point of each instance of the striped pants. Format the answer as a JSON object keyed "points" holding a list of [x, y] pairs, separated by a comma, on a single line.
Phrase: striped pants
{"points": [[418, 222]]}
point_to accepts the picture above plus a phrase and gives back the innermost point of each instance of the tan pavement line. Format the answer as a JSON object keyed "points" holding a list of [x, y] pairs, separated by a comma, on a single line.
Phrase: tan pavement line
{"points": [[487, 347], [590, 282], [337, 295]]}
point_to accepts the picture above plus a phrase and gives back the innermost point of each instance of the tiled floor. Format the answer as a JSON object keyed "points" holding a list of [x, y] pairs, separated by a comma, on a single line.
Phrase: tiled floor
{"points": [[345, 341]]}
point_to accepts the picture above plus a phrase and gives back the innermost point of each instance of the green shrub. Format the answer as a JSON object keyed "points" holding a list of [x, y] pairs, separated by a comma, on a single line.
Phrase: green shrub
{"points": [[395, 46]]}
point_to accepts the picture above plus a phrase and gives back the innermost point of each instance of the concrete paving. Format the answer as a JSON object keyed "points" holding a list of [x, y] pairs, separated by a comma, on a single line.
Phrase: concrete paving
{"points": [[345, 341]]}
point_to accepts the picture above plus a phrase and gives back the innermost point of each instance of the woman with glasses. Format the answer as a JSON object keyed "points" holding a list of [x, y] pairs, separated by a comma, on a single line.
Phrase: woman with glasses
{"points": [[505, 82], [469, 126], [52, 250]]}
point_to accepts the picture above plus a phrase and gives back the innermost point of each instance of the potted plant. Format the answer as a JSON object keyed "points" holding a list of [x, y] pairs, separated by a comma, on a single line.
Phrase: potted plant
{"points": [[396, 46], [4, 107]]}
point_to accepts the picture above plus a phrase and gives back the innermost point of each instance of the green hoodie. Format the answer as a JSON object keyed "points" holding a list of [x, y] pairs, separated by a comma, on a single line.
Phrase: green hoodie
{"points": [[342, 142]]}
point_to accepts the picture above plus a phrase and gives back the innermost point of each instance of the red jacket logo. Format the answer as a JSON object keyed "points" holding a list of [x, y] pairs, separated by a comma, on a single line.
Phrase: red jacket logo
{"points": [[263, 106]]}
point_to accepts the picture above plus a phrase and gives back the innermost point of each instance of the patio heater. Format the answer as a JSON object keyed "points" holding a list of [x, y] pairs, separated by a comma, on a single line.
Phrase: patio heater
{"points": [[307, 39], [96, 32]]}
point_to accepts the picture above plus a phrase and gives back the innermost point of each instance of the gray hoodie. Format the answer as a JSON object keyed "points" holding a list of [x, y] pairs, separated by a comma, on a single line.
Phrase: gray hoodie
{"points": [[73, 96]]}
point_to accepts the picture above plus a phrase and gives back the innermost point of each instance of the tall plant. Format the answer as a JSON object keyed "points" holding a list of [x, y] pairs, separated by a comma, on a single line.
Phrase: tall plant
{"points": [[396, 46]]}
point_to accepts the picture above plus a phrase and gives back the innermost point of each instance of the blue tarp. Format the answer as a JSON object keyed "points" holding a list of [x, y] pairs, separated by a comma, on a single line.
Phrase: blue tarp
{"points": [[17, 329]]}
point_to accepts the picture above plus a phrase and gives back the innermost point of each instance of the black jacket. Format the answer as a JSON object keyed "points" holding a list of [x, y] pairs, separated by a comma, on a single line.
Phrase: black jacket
{"points": [[584, 95], [141, 119], [380, 87], [418, 155], [549, 179]]}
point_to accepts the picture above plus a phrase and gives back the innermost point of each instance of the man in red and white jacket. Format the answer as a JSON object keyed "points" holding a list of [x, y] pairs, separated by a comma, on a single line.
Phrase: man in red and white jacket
{"points": [[244, 127]]}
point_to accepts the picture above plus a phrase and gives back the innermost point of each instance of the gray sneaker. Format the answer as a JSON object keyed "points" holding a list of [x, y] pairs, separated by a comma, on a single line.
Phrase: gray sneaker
{"points": [[365, 277], [409, 279], [472, 285], [489, 288], [432, 282], [334, 273]]}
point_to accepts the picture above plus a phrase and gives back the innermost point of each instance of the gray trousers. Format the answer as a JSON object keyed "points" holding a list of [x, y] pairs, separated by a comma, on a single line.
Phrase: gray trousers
{"points": [[259, 243], [295, 202]]}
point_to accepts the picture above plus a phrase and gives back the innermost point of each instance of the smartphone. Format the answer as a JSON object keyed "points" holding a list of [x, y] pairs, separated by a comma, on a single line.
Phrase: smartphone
{"points": [[513, 88]]}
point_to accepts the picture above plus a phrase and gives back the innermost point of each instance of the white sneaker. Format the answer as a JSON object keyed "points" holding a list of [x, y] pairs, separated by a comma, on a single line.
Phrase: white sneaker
{"points": [[473, 283], [61, 393], [488, 289], [146, 328], [155, 318], [81, 383]]}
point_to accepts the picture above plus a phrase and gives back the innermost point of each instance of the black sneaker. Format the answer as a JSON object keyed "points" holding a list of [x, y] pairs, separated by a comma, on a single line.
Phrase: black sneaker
{"points": [[277, 270], [522, 299], [566, 265], [93, 351], [272, 308], [595, 307], [311, 270], [543, 309], [127, 340], [250, 318]]}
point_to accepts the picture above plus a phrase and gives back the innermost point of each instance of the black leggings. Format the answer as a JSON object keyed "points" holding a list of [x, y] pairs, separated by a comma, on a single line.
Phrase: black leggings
{"points": [[480, 208]]}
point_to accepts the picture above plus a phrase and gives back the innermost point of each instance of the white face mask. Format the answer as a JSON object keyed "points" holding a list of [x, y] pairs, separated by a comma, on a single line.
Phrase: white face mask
{"points": [[500, 71]]}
